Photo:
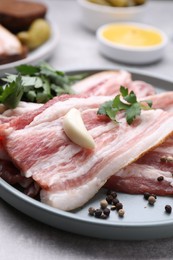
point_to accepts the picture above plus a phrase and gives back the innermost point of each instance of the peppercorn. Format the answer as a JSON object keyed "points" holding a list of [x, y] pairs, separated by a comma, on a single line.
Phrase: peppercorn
{"points": [[91, 211], [168, 209], [103, 216], [146, 195], [103, 204], [119, 206], [106, 211], [113, 207], [160, 178], [151, 200], [115, 201], [114, 194], [109, 199], [98, 213], [121, 212]]}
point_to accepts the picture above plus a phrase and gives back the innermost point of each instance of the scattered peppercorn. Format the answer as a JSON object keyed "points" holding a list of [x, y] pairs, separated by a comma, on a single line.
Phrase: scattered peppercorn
{"points": [[168, 209], [113, 207], [146, 195], [91, 211], [109, 199], [114, 194], [103, 204], [160, 178], [151, 200], [106, 211], [119, 206], [121, 212], [98, 213], [103, 216], [115, 201]]}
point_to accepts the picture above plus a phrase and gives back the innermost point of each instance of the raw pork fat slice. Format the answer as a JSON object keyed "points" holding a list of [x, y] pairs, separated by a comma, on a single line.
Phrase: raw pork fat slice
{"points": [[107, 83], [69, 175], [142, 176]]}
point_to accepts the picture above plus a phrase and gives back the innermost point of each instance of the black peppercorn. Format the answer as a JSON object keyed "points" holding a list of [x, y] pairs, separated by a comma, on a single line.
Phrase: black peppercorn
{"points": [[160, 178], [146, 195], [109, 199], [106, 211], [98, 213], [168, 209], [103, 216], [115, 201], [114, 194], [119, 206]]}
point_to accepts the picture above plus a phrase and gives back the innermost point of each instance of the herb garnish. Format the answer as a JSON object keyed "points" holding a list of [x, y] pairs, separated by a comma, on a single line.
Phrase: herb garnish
{"points": [[35, 84], [127, 102], [11, 94]]}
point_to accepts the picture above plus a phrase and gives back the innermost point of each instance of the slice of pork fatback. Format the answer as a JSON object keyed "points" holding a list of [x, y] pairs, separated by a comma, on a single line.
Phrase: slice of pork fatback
{"points": [[107, 83], [70, 175], [142, 176]]}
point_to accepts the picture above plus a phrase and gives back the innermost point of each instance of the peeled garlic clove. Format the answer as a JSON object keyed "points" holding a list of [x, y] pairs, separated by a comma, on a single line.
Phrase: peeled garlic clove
{"points": [[76, 131]]}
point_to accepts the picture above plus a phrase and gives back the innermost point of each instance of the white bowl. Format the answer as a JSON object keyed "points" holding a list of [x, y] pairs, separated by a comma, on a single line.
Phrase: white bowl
{"points": [[95, 15], [132, 54]]}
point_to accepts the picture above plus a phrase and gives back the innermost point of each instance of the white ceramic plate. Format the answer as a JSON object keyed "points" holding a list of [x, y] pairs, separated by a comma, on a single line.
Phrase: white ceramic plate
{"points": [[141, 221], [42, 53]]}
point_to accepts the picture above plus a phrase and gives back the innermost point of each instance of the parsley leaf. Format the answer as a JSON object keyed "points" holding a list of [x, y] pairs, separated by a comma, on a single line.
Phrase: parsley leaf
{"points": [[36, 83], [11, 93], [126, 102]]}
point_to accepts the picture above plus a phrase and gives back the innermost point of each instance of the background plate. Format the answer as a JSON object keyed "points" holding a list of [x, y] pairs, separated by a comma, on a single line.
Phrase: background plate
{"points": [[43, 52], [141, 221]]}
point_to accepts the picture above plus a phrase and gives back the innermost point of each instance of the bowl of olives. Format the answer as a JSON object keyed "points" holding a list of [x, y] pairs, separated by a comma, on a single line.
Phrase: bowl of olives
{"points": [[95, 13]]}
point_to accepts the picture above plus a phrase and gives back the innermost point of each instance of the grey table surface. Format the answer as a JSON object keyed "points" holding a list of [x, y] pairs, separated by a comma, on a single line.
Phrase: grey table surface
{"points": [[24, 238]]}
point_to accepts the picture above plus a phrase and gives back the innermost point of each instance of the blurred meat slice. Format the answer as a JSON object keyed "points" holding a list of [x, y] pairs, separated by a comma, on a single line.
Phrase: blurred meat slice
{"points": [[10, 47], [107, 83]]}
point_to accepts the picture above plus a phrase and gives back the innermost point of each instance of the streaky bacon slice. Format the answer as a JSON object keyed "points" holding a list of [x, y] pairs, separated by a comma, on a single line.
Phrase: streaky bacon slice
{"points": [[141, 176], [69, 175], [107, 83], [22, 108], [102, 83], [141, 88], [162, 100], [60, 103]]}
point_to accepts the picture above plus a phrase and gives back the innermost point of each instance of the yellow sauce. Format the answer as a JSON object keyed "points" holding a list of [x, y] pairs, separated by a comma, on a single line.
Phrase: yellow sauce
{"points": [[132, 35]]}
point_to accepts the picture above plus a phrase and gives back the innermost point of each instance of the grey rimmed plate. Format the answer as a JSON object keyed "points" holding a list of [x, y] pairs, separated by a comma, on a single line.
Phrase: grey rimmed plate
{"points": [[141, 221]]}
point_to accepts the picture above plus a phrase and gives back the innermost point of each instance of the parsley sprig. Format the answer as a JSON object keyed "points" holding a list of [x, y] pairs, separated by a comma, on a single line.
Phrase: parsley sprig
{"points": [[35, 84], [126, 102]]}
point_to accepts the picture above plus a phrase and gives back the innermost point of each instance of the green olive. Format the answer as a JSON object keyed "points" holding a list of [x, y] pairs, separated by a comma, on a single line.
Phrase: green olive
{"points": [[23, 37], [38, 33]]}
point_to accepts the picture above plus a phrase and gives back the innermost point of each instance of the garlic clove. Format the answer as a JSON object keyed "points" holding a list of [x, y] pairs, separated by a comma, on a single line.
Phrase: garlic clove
{"points": [[75, 129]]}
